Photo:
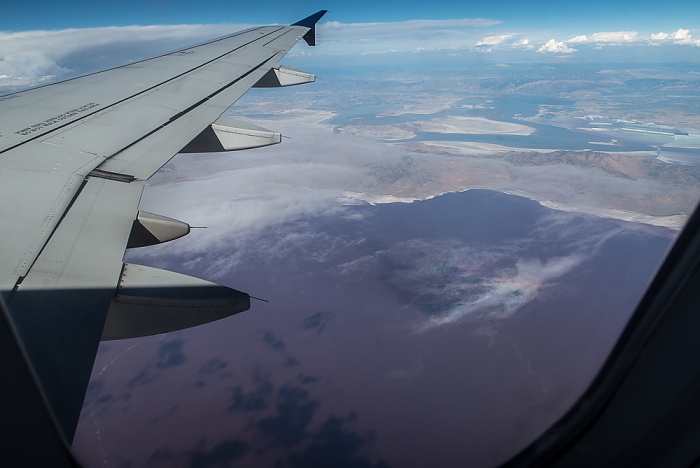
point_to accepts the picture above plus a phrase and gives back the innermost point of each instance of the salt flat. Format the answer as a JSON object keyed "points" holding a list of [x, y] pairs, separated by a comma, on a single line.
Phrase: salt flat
{"points": [[472, 126]]}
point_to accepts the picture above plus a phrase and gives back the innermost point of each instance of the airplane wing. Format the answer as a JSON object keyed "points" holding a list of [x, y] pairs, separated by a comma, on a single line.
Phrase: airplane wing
{"points": [[73, 158]]}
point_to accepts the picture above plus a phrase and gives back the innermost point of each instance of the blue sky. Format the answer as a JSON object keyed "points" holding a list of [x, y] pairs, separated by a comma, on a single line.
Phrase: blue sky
{"points": [[550, 14]]}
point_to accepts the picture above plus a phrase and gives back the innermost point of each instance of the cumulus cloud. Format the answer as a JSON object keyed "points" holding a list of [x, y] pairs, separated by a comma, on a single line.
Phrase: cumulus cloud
{"points": [[680, 36], [522, 44], [493, 40], [503, 41], [28, 68], [578, 39], [662, 36], [490, 41], [555, 47], [614, 37]]}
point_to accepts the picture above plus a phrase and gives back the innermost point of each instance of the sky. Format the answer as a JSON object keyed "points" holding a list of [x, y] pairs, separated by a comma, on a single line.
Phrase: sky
{"points": [[551, 14]]}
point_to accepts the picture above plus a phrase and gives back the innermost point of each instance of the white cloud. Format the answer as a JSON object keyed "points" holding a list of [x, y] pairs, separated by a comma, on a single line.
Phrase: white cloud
{"points": [[493, 40], [503, 41], [33, 57], [662, 36], [680, 36], [329, 25], [522, 44], [503, 295], [602, 39], [488, 43], [402, 36], [614, 37], [555, 47], [30, 57], [578, 39], [413, 24]]}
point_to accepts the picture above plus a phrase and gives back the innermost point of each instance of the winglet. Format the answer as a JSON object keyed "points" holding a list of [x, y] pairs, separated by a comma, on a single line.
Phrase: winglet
{"points": [[310, 22]]}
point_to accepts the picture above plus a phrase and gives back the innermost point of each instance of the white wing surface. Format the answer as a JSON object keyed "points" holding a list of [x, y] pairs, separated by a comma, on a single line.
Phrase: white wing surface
{"points": [[73, 158]]}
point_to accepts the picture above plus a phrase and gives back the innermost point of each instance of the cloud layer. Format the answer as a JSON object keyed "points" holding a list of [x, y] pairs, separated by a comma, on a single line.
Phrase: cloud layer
{"points": [[33, 57], [29, 58]]}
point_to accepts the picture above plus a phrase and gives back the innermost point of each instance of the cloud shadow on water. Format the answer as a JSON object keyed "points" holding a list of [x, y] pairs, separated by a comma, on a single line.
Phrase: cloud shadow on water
{"points": [[213, 366], [170, 354], [273, 341], [289, 426], [306, 379], [286, 417], [317, 322], [255, 400], [223, 454], [334, 445]]}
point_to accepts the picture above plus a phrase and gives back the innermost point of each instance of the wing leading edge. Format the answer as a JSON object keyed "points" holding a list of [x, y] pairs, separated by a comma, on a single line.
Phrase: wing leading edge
{"points": [[73, 156]]}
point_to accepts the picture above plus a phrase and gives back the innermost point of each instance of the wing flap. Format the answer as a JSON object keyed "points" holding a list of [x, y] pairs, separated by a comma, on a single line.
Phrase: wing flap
{"points": [[60, 307], [28, 225], [36, 195], [87, 247]]}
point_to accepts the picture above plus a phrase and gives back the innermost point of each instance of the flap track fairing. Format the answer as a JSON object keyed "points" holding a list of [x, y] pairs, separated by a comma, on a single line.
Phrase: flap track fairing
{"points": [[150, 301], [227, 134], [284, 76], [151, 229]]}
